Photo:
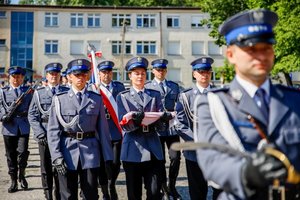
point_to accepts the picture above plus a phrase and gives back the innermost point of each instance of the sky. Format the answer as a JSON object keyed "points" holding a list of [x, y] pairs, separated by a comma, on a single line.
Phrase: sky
{"points": [[14, 1]]}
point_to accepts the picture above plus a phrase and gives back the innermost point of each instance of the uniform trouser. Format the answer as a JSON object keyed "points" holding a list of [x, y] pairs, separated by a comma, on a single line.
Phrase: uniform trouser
{"points": [[148, 171], [17, 153], [197, 183], [174, 157], [68, 184], [47, 171], [111, 174]]}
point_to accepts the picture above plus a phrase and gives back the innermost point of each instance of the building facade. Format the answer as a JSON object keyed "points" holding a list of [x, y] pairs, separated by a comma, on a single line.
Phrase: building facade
{"points": [[33, 36]]}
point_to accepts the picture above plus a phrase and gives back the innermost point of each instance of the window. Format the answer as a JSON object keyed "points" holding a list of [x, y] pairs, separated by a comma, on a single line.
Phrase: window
{"points": [[76, 47], [145, 20], [198, 48], [214, 49], [51, 46], [117, 20], [93, 20], [2, 14], [51, 19], [146, 47], [197, 22], [76, 19], [173, 22], [174, 48], [117, 45], [2, 42]]}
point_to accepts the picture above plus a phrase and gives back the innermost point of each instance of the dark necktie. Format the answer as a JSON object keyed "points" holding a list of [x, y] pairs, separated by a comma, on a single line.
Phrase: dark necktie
{"points": [[140, 93], [262, 104], [16, 92], [107, 87], [53, 90], [204, 91], [162, 87], [79, 98]]}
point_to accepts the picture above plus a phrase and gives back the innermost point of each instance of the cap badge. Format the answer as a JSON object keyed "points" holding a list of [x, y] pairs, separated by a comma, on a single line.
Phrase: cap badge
{"points": [[203, 60], [139, 59], [79, 62], [258, 16], [55, 65]]}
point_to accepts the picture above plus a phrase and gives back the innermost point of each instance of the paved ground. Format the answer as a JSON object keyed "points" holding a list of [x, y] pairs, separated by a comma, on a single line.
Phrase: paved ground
{"points": [[35, 191]]}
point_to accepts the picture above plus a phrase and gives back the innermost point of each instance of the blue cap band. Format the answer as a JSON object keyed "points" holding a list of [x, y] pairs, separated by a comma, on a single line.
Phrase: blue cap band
{"points": [[160, 65], [247, 30], [79, 68], [57, 69], [202, 66]]}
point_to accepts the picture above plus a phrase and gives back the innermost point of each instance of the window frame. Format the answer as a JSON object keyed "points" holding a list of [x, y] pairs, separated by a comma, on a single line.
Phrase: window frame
{"points": [[173, 18], [119, 18], [51, 16], [144, 45], [150, 18], [78, 17], [51, 44], [94, 17]]}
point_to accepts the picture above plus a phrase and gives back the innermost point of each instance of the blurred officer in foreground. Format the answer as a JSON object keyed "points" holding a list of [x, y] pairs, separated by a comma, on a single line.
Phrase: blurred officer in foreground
{"points": [[255, 114], [185, 113], [141, 151], [38, 116], [77, 134], [169, 91], [15, 126]]}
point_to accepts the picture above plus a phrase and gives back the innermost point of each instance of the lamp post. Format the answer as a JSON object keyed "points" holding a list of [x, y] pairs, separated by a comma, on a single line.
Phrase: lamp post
{"points": [[124, 23]]}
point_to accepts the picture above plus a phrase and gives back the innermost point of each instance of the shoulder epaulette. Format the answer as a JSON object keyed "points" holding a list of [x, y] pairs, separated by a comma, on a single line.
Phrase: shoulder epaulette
{"points": [[219, 89], [284, 87], [148, 82], [118, 82], [125, 91], [151, 90], [186, 90], [5, 87], [40, 88], [172, 82], [92, 92], [61, 92]]}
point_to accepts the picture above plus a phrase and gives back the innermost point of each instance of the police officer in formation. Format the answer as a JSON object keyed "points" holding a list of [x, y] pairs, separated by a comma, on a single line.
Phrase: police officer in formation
{"points": [[77, 134], [141, 151], [15, 129], [169, 91], [186, 115], [257, 116], [38, 116], [111, 88]]}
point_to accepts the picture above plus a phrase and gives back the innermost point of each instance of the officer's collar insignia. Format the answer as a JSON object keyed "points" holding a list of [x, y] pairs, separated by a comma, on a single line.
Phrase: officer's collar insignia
{"points": [[258, 16], [195, 91], [132, 92], [71, 95], [236, 95]]}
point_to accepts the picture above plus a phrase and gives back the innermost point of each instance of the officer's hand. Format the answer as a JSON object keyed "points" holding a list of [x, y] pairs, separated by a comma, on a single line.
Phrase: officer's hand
{"points": [[166, 116], [261, 170], [137, 117], [4, 118], [43, 141], [60, 166]]}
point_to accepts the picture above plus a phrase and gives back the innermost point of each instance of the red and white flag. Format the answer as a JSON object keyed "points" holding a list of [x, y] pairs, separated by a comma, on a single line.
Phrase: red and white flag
{"points": [[111, 105]]}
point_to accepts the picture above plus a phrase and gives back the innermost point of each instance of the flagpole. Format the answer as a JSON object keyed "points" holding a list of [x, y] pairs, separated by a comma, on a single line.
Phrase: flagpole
{"points": [[92, 50]]}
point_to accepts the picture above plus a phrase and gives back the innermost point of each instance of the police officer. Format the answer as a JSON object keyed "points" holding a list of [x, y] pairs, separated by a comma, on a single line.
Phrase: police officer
{"points": [[169, 91], [38, 116], [141, 151], [15, 129], [77, 134], [185, 113], [64, 79], [111, 89], [256, 115]]}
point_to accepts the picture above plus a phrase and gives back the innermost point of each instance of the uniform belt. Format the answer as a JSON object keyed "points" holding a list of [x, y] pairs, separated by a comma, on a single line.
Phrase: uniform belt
{"points": [[21, 114], [79, 135]]}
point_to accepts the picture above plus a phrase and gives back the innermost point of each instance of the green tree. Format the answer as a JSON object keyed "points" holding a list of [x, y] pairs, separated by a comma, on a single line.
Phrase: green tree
{"points": [[287, 49], [225, 73]]}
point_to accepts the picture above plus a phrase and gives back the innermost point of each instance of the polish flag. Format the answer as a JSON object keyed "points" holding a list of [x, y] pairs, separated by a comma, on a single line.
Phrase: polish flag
{"points": [[111, 105]]}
